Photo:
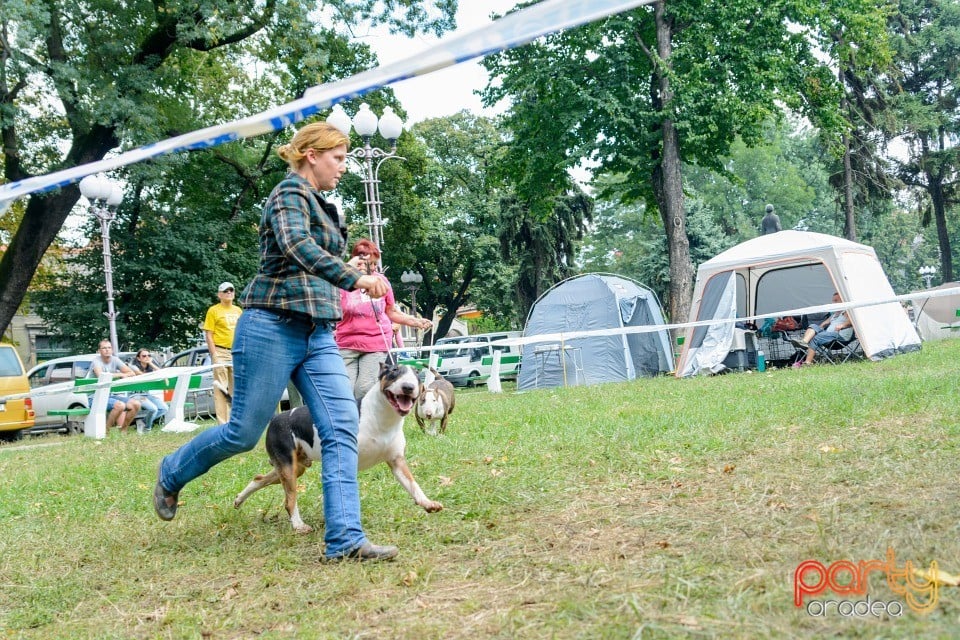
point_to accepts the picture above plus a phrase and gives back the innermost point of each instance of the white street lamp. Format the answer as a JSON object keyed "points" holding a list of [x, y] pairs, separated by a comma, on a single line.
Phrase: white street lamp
{"points": [[366, 123], [105, 196], [927, 272], [412, 280]]}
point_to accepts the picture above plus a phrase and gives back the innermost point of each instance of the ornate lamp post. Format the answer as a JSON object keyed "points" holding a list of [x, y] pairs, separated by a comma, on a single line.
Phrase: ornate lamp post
{"points": [[927, 273], [105, 196], [366, 123], [412, 280]]}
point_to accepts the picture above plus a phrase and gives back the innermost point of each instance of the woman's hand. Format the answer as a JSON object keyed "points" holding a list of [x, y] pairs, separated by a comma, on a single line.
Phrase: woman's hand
{"points": [[363, 264], [374, 286], [422, 323]]}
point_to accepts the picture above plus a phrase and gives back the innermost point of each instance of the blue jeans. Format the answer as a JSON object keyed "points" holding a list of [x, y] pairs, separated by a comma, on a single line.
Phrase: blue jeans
{"points": [[268, 351], [153, 408], [823, 336]]}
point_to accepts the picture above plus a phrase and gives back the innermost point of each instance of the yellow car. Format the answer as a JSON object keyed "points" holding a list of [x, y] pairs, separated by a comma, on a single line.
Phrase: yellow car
{"points": [[15, 415]]}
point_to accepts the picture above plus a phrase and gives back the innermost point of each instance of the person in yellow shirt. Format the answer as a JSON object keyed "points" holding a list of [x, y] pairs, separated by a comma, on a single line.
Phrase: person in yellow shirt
{"points": [[218, 328]]}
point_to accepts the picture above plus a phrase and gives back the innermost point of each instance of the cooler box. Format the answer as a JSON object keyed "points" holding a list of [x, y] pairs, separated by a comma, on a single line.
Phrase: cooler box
{"points": [[743, 351]]}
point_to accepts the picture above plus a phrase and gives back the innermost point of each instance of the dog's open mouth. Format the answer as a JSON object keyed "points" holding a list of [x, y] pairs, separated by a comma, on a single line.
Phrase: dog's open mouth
{"points": [[401, 402]]}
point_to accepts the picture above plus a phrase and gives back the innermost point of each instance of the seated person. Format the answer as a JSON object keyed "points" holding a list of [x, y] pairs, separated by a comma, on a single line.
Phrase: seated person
{"points": [[837, 326], [122, 410], [154, 408]]}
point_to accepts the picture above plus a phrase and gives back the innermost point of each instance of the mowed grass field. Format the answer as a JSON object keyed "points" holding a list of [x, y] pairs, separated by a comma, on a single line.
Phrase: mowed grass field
{"points": [[658, 508]]}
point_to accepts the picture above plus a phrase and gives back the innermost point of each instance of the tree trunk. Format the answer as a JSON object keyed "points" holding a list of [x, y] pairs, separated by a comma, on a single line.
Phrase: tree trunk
{"points": [[668, 186], [670, 202], [943, 236], [42, 222], [849, 221], [849, 218], [43, 219]]}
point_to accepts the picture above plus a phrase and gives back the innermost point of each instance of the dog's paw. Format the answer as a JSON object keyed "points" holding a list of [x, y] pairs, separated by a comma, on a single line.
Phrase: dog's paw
{"points": [[237, 502], [303, 529], [431, 506]]}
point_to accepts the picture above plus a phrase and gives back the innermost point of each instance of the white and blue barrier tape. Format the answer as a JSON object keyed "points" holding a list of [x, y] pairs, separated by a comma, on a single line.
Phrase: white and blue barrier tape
{"points": [[509, 32], [563, 337]]}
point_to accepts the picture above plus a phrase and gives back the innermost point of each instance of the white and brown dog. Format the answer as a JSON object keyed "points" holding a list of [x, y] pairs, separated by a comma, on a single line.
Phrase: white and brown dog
{"points": [[436, 403], [293, 443]]}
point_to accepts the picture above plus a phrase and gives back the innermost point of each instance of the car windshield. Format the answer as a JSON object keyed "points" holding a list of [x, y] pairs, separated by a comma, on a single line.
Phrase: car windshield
{"points": [[9, 363], [449, 352]]}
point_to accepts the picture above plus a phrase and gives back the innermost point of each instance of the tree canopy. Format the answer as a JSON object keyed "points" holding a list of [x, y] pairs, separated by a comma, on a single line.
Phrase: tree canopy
{"points": [[925, 95], [82, 78], [642, 92]]}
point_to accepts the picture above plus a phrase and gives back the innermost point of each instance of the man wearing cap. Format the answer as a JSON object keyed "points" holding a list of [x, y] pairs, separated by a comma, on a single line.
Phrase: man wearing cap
{"points": [[770, 222], [218, 330]]}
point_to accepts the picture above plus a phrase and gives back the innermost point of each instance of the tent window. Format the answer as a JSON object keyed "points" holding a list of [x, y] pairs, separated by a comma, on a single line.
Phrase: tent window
{"points": [[792, 287]]}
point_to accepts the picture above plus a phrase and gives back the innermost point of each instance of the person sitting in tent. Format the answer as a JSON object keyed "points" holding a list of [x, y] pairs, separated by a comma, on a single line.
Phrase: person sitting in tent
{"points": [[837, 327]]}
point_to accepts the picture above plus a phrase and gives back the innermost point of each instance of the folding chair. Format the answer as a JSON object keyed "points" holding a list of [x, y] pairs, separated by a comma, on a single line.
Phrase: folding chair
{"points": [[839, 351], [836, 351]]}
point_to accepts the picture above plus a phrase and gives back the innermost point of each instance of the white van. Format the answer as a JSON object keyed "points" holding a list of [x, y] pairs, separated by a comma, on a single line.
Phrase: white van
{"points": [[469, 365]]}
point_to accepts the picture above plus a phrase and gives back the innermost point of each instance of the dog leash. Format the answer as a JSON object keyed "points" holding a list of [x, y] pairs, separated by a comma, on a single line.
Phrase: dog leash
{"points": [[391, 357]]}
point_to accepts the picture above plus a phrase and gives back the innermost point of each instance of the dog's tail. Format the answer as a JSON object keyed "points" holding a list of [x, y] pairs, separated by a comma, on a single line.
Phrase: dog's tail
{"points": [[433, 375], [416, 411]]}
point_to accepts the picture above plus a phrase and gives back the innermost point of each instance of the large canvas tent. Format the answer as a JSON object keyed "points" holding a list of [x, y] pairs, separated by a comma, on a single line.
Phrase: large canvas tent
{"points": [[791, 270], [938, 318], [586, 303]]}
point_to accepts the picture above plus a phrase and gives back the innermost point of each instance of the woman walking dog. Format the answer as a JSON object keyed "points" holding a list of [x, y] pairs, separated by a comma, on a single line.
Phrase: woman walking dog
{"points": [[286, 332], [365, 334]]}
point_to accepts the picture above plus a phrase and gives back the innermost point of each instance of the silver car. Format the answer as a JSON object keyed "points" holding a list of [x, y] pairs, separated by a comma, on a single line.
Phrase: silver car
{"points": [[57, 377], [202, 398]]}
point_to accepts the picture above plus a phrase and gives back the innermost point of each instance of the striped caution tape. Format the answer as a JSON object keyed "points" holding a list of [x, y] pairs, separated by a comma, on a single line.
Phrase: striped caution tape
{"points": [[509, 32], [571, 335]]}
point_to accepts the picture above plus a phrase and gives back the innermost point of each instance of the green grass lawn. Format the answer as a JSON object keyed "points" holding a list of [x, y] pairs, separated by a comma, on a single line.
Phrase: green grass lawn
{"points": [[659, 508]]}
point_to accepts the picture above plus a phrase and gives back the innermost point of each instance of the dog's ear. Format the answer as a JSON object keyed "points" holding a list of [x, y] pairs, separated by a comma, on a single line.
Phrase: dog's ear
{"points": [[384, 367]]}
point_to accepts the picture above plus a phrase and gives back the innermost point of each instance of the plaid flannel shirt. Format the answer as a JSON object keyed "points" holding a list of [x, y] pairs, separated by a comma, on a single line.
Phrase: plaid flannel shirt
{"points": [[301, 240]]}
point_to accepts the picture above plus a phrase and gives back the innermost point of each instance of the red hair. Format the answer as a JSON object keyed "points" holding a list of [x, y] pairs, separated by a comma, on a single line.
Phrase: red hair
{"points": [[366, 246]]}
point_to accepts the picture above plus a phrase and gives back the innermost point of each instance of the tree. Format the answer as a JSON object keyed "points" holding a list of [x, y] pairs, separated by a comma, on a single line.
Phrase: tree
{"points": [[457, 250], [171, 247], [92, 77], [544, 249], [926, 91], [860, 61], [790, 169], [628, 241], [643, 92], [902, 246]]}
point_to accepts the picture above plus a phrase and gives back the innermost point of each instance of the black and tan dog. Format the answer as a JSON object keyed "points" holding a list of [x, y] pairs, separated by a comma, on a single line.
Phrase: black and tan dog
{"points": [[293, 443], [436, 402]]}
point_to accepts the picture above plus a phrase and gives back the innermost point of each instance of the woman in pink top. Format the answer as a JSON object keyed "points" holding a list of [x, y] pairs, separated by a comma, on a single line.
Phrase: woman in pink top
{"points": [[365, 333]]}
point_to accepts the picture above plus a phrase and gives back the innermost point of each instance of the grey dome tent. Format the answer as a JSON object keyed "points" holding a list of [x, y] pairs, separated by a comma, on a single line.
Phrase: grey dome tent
{"points": [[586, 303]]}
